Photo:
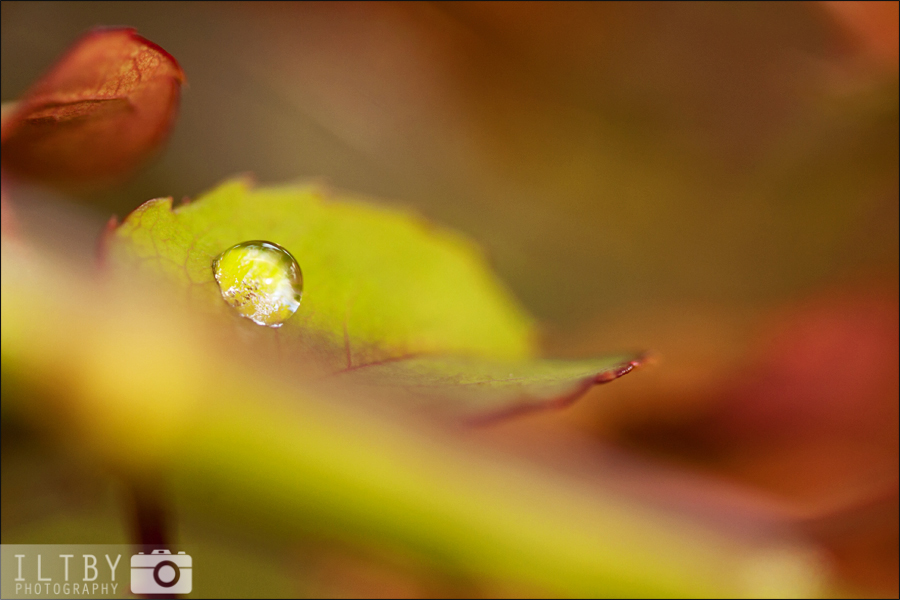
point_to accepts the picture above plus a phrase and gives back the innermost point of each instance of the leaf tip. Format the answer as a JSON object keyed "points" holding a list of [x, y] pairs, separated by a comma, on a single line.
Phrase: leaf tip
{"points": [[624, 368], [164, 203], [177, 72], [564, 400], [240, 184]]}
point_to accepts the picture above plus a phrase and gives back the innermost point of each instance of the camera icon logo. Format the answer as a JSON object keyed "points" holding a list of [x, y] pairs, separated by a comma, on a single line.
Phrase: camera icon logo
{"points": [[161, 572]]}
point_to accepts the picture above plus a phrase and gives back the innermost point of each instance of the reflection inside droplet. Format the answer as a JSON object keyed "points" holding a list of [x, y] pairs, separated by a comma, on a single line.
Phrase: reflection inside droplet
{"points": [[260, 280]]}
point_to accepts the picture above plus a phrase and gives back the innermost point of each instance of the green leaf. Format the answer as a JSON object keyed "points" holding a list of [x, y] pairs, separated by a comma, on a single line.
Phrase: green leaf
{"points": [[381, 282], [390, 302]]}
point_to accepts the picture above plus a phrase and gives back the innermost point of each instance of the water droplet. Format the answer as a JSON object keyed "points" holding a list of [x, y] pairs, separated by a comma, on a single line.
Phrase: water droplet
{"points": [[260, 280]]}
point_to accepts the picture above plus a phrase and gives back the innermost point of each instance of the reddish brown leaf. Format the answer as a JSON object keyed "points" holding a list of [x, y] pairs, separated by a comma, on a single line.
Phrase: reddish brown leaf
{"points": [[97, 114], [873, 26]]}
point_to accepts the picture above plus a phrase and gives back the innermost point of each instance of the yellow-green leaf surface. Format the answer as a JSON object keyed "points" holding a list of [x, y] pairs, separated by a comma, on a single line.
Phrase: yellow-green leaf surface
{"points": [[390, 302], [378, 282]]}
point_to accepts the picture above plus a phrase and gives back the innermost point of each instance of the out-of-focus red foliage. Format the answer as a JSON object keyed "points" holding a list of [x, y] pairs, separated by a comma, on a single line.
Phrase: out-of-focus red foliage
{"points": [[828, 367], [813, 417], [97, 114], [874, 26]]}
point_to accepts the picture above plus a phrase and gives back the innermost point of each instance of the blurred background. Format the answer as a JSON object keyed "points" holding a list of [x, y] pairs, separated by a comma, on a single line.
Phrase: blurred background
{"points": [[715, 182]]}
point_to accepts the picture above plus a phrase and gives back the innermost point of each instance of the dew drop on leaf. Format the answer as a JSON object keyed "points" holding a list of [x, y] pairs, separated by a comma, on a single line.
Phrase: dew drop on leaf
{"points": [[260, 280]]}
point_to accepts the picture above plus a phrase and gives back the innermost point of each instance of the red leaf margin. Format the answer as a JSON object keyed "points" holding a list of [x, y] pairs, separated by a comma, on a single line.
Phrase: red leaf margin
{"points": [[580, 388]]}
